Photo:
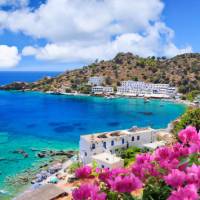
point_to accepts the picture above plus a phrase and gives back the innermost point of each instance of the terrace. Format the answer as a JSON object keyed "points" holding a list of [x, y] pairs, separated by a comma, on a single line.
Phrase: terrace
{"points": [[98, 137]]}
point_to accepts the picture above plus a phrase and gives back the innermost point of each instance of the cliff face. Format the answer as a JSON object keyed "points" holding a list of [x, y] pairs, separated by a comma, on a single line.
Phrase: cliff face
{"points": [[182, 71]]}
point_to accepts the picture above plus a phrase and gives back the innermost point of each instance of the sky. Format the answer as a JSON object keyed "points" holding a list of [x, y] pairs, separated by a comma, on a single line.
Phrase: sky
{"points": [[58, 35]]}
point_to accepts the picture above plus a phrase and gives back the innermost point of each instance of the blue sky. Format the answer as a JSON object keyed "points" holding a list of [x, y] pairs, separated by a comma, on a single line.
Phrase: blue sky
{"points": [[58, 35], [183, 17]]}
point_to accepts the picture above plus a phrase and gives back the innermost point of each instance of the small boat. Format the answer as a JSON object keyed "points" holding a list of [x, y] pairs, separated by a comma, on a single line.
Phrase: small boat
{"points": [[4, 192], [146, 100]]}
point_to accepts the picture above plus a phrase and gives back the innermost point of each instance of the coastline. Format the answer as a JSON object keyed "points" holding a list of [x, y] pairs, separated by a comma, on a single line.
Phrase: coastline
{"points": [[178, 101]]}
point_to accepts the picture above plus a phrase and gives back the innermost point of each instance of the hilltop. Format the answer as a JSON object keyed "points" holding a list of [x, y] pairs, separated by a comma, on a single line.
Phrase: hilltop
{"points": [[182, 71]]}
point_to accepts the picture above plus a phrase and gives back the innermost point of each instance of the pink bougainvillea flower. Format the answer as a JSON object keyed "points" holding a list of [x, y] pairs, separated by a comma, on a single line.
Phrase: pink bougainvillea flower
{"points": [[176, 178], [164, 153], [108, 174], [193, 175], [189, 192], [188, 135], [144, 166], [83, 172], [179, 150], [169, 164], [125, 184], [88, 192], [194, 147]]}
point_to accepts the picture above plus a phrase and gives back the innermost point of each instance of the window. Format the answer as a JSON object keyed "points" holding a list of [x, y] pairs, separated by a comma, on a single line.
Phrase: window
{"points": [[104, 145], [138, 137], [93, 146], [85, 153], [112, 142], [122, 140], [133, 138]]}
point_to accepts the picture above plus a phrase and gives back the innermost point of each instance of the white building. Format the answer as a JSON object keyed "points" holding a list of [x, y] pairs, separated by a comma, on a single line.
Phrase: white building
{"points": [[154, 145], [138, 88], [109, 142], [102, 90], [108, 160], [197, 99], [96, 80]]}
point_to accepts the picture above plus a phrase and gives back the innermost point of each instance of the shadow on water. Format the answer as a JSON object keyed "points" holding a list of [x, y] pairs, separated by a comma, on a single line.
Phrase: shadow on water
{"points": [[55, 124], [146, 113], [64, 129], [113, 124]]}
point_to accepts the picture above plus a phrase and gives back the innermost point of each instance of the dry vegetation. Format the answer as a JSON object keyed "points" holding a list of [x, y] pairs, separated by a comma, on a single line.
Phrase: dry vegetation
{"points": [[182, 71]]}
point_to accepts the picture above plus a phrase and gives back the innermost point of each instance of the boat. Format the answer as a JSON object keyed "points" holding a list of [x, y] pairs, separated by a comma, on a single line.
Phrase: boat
{"points": [[4, 192], [146, 100]]}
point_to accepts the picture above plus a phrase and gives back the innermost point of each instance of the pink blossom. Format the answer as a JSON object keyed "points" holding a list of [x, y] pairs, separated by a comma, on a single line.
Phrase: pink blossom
{"points": [[194, 147], [189, 192], [88, 192], [164, 153], [83, 172], [125, 184], [144, 166], [176, 178], [193, 175], [169, 164], [107, 174], [179, 150], [188, 135], [167, 158], [144, 158]]}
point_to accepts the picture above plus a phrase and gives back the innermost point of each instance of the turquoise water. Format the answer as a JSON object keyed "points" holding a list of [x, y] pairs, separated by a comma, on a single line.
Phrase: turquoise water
{"points": [[35, 120]]}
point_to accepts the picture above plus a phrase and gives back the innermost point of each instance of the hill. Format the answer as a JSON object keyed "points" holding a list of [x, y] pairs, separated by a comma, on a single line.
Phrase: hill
{"points": [[182, 71]]}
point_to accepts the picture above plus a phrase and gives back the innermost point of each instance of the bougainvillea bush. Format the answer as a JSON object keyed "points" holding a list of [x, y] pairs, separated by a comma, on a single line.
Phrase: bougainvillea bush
{"points": [[170, 172]]}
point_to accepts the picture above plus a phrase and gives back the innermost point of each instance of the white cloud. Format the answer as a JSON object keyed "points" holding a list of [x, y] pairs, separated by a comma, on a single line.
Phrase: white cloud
{"points": [[29, 51], [64, 20], [83, 30], [9, 56], [144, 45]]}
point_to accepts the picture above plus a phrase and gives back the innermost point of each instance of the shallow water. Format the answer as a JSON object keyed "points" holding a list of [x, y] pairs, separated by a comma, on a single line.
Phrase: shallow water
{"points": [[42, 121]]}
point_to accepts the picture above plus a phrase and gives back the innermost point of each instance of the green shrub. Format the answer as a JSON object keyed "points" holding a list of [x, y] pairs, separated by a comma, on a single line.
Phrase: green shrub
{"points": [[128, 154], [191, 95], [191, 117], [74, 166], [156, 189]]}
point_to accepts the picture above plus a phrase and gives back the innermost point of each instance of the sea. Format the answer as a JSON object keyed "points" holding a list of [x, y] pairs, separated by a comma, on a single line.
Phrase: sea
{"points": [[34, 120]]}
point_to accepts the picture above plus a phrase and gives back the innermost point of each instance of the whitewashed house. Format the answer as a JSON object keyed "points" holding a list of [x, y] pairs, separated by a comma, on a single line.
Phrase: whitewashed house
{"points": [[108, 160], [110, 142], [96, 80], [138, 88], [102, 90]]}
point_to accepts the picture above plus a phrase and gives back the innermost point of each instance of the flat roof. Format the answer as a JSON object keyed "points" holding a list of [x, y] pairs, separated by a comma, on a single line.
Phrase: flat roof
{"points": [[98, 137], [154, 145], [46, 192], [107, 158]]}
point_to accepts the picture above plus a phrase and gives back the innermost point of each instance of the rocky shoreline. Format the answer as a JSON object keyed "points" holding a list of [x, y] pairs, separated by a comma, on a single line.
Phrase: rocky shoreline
{"points": [[51, 162]]}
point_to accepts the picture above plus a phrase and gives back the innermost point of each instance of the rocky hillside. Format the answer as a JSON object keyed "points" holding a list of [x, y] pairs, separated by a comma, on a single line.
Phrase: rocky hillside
{"points": [[182, 71]]}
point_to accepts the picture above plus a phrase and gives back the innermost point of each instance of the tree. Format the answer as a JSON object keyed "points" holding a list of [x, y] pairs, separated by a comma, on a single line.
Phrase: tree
{"points": [[135, 78], [191, 95], [108, 81]]}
